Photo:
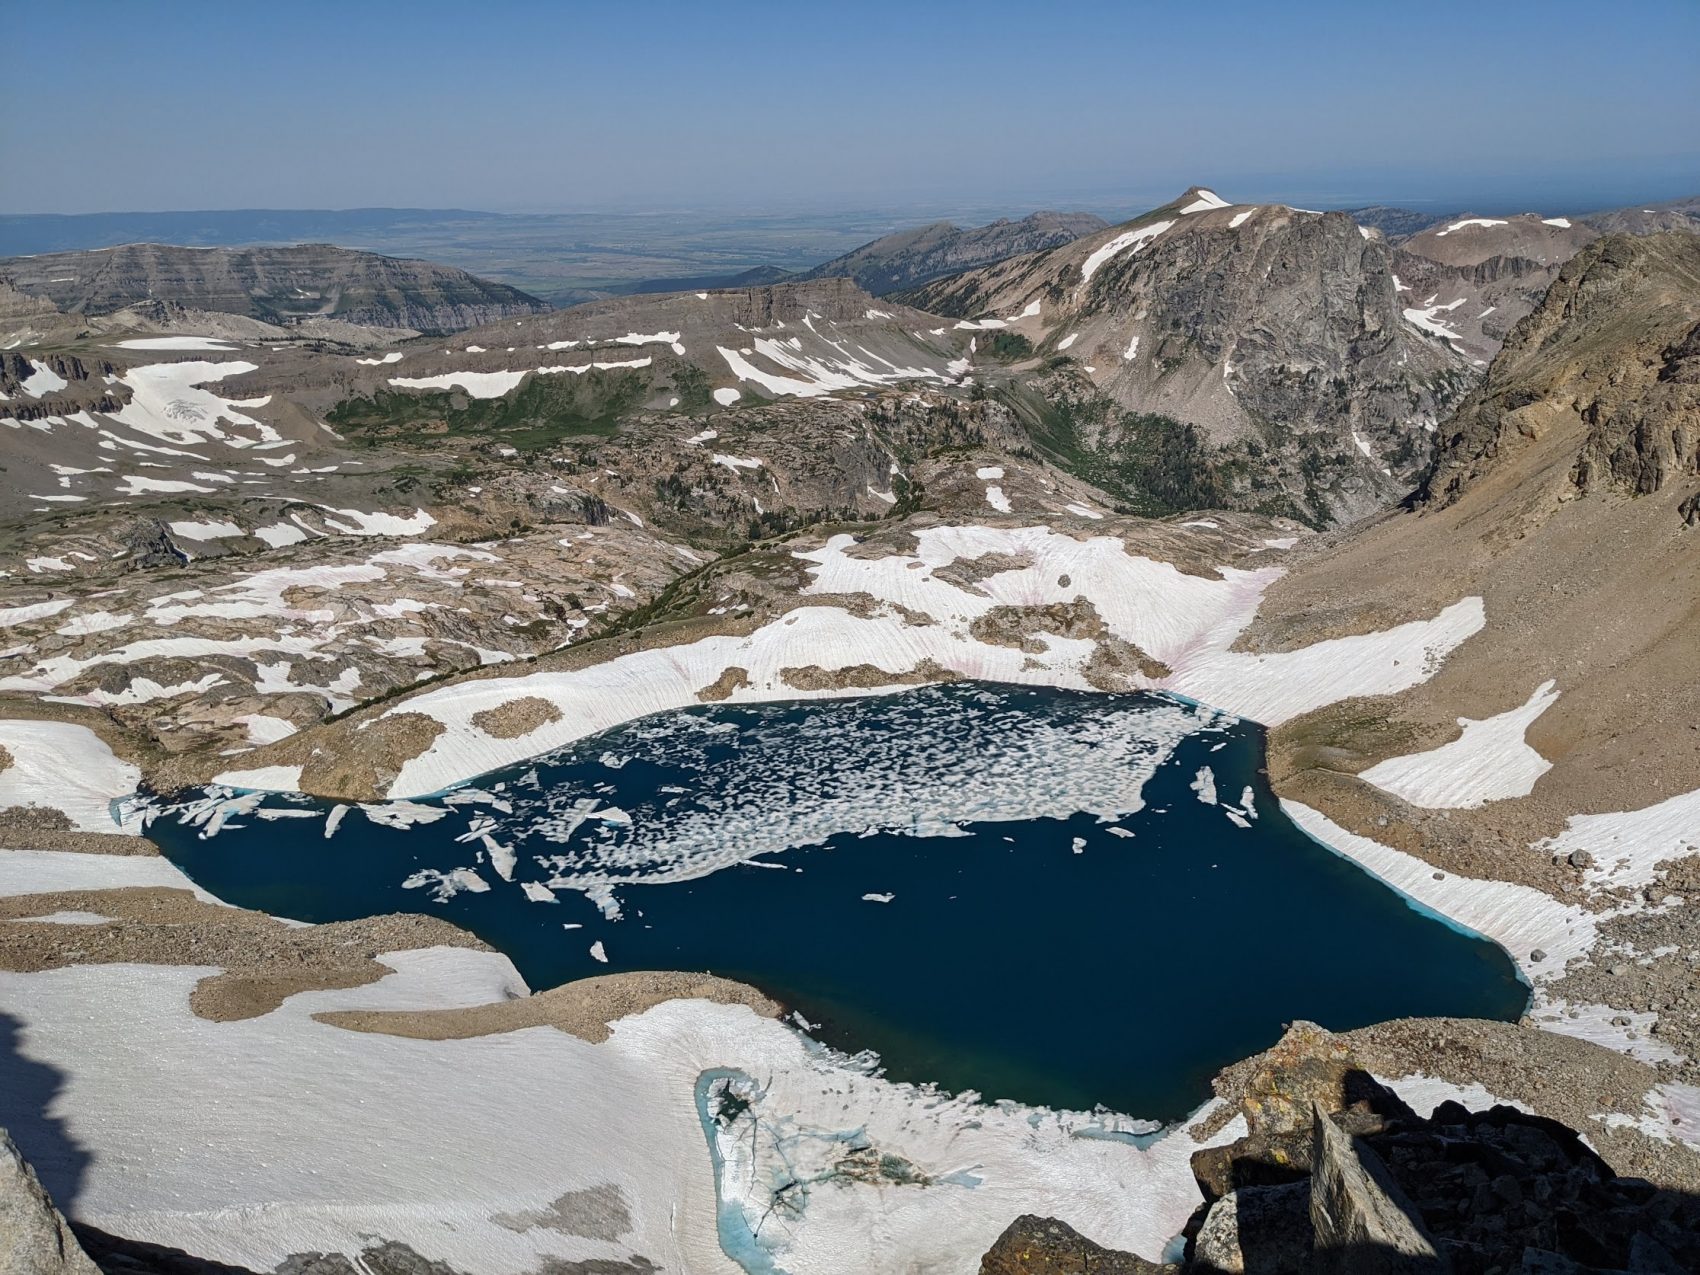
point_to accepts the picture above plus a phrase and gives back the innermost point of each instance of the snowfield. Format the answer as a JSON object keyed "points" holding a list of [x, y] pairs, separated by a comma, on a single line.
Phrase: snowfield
{"points": [[68, 768], [1489, 761], [291, 1135], [1186, 621]]}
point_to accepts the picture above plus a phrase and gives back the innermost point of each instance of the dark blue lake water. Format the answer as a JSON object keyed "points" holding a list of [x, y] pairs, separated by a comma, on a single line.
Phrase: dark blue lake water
{"points": [[1055, 897]]}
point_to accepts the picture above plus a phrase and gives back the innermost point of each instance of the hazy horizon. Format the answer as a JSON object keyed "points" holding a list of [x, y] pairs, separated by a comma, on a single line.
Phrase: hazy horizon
{"points": [[530, 108]]}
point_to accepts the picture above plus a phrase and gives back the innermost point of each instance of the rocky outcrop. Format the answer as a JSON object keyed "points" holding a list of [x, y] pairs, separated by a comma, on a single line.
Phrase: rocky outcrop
{"points": [[1044, 1246], [1361, 1222], [278, 285], [1276, 333], [34, 1238], [1614, 344], [913, 257], [1336, 1174]]}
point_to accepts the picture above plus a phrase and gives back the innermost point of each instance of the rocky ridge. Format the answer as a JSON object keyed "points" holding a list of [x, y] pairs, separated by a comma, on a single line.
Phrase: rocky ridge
{"points": [[1273, 331], [280, 285], [909, 258], [1336, 1172]]}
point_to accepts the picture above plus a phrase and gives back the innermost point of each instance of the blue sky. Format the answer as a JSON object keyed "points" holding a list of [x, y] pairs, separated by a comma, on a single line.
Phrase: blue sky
{"points": [[515, 106]]}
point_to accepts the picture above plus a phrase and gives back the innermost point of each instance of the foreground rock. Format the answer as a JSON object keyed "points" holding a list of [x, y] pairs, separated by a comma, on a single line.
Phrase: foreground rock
{"points": [[1045, 1246], [1336, 1173], [34, 1237]]}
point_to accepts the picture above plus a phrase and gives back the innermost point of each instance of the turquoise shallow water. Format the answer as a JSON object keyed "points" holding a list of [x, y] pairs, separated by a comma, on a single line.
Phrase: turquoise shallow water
{"points": [[1023, 940]]}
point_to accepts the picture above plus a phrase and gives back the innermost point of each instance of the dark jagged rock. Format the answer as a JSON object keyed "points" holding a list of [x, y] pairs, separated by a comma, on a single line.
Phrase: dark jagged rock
{"points": [[1278, 334], [912, 257], [1361, 1222], [1309, 1068], [1369, 1186]]}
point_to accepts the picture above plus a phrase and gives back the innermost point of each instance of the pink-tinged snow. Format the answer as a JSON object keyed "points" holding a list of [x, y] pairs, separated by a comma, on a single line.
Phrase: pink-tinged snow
{"points": [[290, 1135], [997, 500], [178, 343], [67, 768], [1482, 222], [1489, 761], [1186, 621], [1135, 239]]}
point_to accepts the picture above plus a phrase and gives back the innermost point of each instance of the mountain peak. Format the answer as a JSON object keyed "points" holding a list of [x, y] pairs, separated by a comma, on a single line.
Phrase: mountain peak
{"points": [[1200, 199]]}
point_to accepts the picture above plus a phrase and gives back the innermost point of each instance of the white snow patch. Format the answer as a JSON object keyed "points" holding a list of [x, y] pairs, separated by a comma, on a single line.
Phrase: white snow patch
{"points": [[1483, 222], [212, 529], [1135, 239], [1489, 761], [1626, 845], [1207, 199], [42, 380], [33, 611], [262, 778], [176, 343], [67, 768]]}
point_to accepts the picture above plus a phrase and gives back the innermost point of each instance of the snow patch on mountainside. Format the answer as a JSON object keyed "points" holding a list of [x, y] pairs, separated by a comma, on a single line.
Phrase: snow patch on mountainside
{"points": [[1489, 761], [1188, 622], [67, 768]]}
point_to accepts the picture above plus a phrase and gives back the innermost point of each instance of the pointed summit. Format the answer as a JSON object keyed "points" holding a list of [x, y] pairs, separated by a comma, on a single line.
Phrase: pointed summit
{"points": [[1200, 199]]}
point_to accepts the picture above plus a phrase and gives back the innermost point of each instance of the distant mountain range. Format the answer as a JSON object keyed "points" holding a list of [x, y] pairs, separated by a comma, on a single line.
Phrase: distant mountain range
{"points": [[276, 285], [912, 257]]}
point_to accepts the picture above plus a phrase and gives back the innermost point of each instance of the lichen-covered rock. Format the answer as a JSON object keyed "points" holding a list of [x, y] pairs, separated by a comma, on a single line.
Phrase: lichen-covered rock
{"points": [[1309, 1067], [1044, 1246]]}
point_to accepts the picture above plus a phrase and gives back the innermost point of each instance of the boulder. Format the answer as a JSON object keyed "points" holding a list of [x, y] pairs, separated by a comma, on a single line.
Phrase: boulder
{"points": [[1044, 1246], [1256, 1230], [1362, 1222], [34, 1237]]}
